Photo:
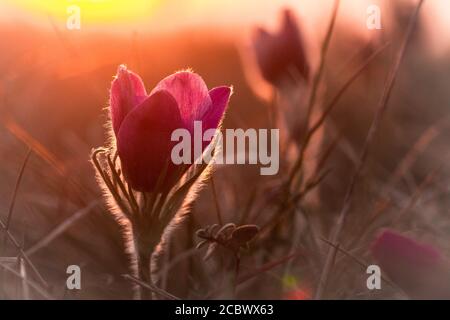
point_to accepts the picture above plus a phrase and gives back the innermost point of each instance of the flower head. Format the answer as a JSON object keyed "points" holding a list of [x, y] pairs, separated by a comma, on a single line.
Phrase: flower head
{"points": [[281, 55], [143, 123]]}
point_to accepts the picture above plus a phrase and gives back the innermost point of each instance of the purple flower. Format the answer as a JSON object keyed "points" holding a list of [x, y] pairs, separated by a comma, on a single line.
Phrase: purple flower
{"points": [[143, 123], [419, 269], [281, 55]]}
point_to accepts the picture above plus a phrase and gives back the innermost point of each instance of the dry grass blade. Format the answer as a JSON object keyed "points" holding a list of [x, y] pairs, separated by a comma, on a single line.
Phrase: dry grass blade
{"points": [[314, 89], [418, 148], [418, 192], [421, 144], [38, 148], [162, 293], [32, 284], [9, 260], [363, 265], [14, 194], [344, 88], [16, 188], [310, 185], [177, 259], [263, 269], [384, 200], [248, 207], [364, 153], [216, 201], [60, 229], [316, 126], [22, 253], [323, 55], [44, 153], [267, 267], [24, 275]]}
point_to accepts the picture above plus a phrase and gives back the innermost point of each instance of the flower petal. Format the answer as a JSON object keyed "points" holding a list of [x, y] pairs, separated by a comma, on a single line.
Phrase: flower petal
{"points": [[281, 53], [220, 96], [419, 269], [266, 54], [190, 92], [127, 91], [292, 42], [144, 140]]}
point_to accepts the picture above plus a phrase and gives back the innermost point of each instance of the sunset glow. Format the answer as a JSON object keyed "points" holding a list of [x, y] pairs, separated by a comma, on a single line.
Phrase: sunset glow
{"points": [[223, 150], [93, 11]]}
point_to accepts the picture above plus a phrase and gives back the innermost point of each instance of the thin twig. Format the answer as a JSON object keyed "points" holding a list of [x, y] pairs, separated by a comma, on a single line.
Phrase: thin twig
{"points": [[261, 270], [61, 228], [347, 253], [384, 200], [216, 201], [45, 154], [22, 253], [318, 124], [38, 148], [16, 188], [14, 195], [177, 259], [315, 86], [237, 267], [323, 54], [364, 153], [359, 262], [11, 260], [151, 287], [268, 266], [32, 284], [24, 275], [418, 192], [424, 140]]}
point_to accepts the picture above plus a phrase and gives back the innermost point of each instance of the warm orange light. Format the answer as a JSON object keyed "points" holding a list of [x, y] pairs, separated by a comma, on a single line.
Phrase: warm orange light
{"points": [[91, 11]]}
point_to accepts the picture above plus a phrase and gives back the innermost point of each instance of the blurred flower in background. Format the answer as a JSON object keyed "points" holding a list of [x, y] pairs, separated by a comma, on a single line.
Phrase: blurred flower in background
{"points": [[419, 269], [281, 55]]}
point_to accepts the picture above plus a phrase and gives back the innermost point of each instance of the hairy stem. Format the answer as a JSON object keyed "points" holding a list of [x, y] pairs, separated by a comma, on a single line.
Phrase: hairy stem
{"points": [[145, 247], [237, 267], [145, 275]]}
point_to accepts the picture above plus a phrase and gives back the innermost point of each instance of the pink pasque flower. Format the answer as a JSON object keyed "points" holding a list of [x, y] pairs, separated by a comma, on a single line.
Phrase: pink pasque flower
{"points": [[143, 123], [281, 54], [419, 269]]}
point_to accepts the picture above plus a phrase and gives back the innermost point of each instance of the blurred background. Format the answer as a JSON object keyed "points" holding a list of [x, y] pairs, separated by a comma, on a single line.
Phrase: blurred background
{"points": [[54, 88]]}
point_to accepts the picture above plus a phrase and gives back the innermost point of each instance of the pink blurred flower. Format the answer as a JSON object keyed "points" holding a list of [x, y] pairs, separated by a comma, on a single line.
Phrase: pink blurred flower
{"points": [[143, 123], [281, 55], [419, 269]]}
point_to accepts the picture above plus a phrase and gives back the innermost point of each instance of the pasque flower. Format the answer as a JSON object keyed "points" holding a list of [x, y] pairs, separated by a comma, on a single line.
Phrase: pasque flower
{"points": [[143, 187], [281, 55], [419, 269], [143, 123]]}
